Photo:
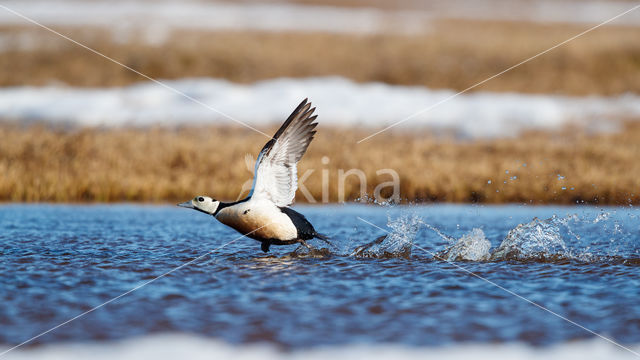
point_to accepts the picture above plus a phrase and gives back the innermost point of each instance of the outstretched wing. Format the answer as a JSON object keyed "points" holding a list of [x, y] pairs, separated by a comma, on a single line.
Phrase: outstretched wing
{"points": [[276, 171]]}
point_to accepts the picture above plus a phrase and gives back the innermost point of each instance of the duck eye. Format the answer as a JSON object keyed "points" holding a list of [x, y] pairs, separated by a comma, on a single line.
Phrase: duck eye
{"points": [[201, 199]]}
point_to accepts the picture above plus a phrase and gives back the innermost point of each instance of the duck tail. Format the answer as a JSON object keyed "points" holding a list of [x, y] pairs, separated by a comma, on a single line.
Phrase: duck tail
{"points": [[321, 236]]}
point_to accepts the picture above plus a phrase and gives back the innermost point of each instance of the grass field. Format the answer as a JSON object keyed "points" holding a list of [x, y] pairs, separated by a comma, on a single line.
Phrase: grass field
{"points": [[454, 55], [38, 163]]}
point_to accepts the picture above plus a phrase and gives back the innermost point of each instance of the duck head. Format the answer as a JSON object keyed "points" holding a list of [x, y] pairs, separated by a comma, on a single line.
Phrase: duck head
{"points": [[204, 204]]}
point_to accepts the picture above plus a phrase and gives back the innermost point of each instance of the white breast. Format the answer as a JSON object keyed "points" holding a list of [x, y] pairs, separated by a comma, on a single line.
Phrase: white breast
{"points": [[260, 218]]}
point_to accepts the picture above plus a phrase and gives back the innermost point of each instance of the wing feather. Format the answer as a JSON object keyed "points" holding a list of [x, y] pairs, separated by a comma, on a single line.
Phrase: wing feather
{"points": [[276, 172]]}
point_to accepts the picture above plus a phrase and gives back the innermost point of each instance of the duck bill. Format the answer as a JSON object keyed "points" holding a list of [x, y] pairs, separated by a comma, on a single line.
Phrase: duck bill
{"points": [[186, 204]]}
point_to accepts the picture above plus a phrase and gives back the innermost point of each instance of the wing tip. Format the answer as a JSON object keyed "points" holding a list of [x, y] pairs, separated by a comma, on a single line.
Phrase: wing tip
{"points": [[301, 105]]}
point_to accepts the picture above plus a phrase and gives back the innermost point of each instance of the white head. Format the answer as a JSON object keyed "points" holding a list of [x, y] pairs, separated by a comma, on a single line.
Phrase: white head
{"points": [[202, 203]]}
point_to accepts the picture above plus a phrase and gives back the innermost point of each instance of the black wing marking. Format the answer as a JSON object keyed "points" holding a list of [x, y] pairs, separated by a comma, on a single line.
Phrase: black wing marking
{"points": [[304, 227]]}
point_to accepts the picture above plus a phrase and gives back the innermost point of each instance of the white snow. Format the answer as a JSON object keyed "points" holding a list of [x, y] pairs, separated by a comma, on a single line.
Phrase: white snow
{"points": [[159, 347], [339, 102], [156, 19]]}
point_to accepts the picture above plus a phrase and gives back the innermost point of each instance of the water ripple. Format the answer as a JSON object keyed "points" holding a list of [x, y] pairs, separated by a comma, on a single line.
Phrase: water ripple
{"points": [[58, 261]]}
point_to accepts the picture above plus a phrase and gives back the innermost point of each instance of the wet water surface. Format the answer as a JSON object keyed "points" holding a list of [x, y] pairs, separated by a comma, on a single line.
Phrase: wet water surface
{"points": [[57, 261]]}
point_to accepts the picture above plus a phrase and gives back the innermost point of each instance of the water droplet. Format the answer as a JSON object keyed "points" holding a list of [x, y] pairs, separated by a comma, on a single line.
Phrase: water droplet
{"points": [[560, 177], [489, 182]]}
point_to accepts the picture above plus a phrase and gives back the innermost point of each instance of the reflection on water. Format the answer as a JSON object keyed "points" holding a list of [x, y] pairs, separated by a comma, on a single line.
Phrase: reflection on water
{"points": [[58, 261]]}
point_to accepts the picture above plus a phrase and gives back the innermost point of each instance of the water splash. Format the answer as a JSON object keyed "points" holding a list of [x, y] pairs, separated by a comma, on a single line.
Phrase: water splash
{"points": [[556, 239], [472, 246], [444, 236], [603, 216], [537, 240], [397, 243]]}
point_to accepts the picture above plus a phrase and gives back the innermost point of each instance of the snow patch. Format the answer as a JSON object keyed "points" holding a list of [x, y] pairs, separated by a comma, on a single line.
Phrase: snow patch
{"points": [[177, 346], [339, 102]]}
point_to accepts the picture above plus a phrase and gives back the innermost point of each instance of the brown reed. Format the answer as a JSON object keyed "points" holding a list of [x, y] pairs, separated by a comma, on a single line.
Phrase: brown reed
{"points": [[455, 55], [39, 163]]}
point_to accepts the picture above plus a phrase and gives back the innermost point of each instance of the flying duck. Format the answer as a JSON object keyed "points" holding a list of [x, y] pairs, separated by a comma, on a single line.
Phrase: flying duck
{"points": [[265, 215]]}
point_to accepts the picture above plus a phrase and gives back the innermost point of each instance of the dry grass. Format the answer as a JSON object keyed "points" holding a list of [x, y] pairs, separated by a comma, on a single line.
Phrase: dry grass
{"points": [[43, 164], [455, 55]]}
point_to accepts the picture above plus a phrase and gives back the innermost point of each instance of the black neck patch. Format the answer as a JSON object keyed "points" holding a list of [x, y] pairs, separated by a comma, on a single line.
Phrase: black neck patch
{"points": [[223, 205]]}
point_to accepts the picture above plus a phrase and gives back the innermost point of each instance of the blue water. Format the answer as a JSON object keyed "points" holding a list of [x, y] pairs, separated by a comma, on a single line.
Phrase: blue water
{"points": [[57, 261]]}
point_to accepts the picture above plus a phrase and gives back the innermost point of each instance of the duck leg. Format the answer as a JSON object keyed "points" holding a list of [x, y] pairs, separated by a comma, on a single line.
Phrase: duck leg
{"points": [[303, 242], [265, 245]]}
